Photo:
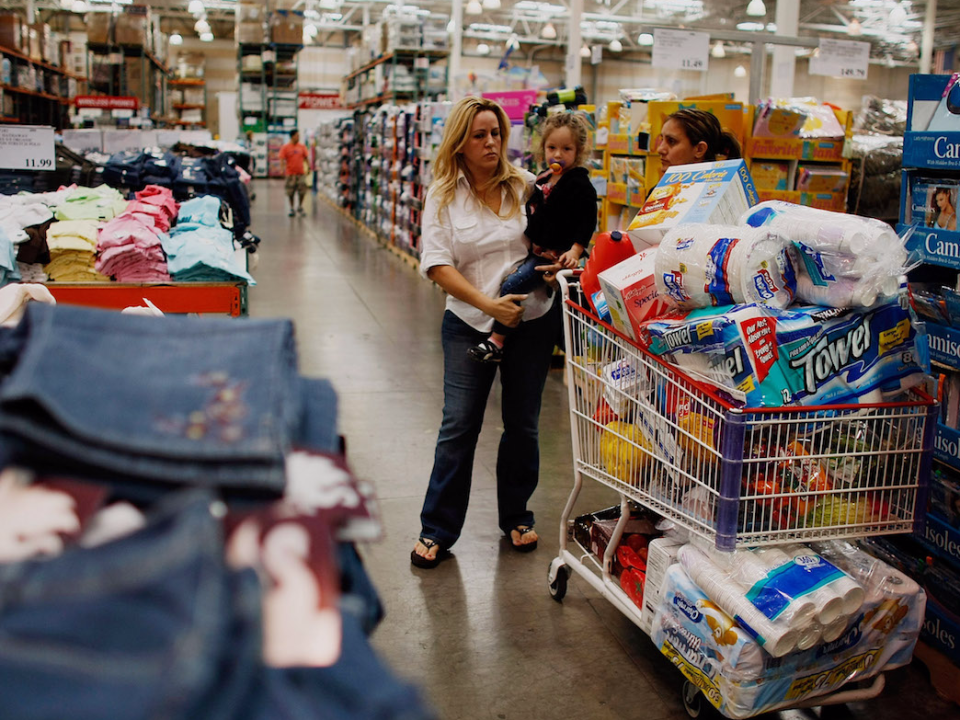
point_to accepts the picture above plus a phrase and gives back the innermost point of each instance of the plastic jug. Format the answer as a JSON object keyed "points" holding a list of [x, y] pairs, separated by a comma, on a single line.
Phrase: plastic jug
{"points": [[609, 249]]}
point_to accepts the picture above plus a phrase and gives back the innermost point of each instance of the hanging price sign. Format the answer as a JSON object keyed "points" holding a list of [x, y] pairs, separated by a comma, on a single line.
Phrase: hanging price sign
{"points": [[681, 50], [27, 147], [841, 58]]}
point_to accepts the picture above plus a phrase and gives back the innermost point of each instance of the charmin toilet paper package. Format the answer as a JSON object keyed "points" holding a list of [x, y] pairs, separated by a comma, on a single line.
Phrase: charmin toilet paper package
{"points": [[709, 265], [741, 679], [716, 193], [769, 357], [843, 260]]}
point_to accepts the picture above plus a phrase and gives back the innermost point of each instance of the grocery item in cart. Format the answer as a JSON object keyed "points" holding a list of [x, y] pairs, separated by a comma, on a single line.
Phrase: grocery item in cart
{"points": [[719, 656], [770, 357], [625, 451], [701, 266], [714, 192], [845, 260], [607, 250], [631, 294]]}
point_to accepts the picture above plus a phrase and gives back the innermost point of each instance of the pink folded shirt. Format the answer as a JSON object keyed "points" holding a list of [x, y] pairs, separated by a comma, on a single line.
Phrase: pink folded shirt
{"points": [[126, 230]]}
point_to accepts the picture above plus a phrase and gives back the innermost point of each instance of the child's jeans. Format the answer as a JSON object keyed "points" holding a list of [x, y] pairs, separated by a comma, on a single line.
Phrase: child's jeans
{"points": [[525, 279]]}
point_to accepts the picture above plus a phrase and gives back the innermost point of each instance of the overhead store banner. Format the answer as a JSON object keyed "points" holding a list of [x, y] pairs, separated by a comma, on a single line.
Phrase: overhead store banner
{"points": [[842, 59], [27, 147], [681, 50], [105, 102], [319, 101], [515, 103]]}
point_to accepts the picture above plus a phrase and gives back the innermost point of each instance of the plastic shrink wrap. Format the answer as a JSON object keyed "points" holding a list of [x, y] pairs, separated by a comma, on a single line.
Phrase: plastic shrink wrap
{"points": [[742, 680]]}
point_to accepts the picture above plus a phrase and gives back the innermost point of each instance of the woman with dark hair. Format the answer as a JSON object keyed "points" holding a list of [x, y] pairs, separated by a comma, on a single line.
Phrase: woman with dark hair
{"points": [[943, 212], [694, 136]]}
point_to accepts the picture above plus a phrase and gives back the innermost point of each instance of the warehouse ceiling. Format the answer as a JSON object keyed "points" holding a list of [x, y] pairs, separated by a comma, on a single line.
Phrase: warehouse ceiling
{"points": [[894, 28]]}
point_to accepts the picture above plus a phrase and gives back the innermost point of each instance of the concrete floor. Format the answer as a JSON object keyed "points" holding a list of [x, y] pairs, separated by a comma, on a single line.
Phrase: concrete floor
{"points": [[480, 634]]}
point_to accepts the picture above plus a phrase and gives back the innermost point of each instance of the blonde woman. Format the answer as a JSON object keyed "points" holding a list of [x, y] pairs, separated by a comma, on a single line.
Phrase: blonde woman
{"points": [[472, 235]]}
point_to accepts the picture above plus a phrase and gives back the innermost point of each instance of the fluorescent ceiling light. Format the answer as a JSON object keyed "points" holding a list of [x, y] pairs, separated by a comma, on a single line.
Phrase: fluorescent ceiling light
{"points": [[539, 8], [195, 6], [854, 28], [310, 29], [645, 39], [718, 51], [202, 26], [491, 4], [549, 31], [483, 49], [750, 26], [616, 45], [488, 28], [740, 71], [207, 36], [897, 15], [79, 6], [473, 8], [756, 8], [585, 51], [176, 39], [331, 17], [329, 4]]}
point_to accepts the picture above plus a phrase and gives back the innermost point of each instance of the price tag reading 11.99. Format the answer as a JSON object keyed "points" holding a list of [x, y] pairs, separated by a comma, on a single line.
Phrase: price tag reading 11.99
{"points": [[26, 147]]}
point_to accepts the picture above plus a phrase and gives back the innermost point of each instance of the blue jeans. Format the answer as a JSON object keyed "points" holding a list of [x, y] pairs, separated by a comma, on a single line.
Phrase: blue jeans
{"points": [[525, 279], [466, 386], [177, 400]]}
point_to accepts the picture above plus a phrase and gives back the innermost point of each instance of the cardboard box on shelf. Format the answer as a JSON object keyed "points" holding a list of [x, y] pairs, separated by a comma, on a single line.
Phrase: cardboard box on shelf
{"points": [[99, 28], [250, 32], [133, 77], [132, 26], [286, 26], [770, 174], [11, 31]]}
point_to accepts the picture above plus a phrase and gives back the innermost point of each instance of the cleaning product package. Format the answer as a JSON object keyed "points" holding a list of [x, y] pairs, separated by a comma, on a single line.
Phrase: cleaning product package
{"points": [[706, 639], [710, 265], [714, 192], [770, 357], [846, 260]]}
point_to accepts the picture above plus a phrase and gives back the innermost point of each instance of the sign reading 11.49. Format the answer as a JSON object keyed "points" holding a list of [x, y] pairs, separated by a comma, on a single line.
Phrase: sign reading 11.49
{"points": [[27, 147]]}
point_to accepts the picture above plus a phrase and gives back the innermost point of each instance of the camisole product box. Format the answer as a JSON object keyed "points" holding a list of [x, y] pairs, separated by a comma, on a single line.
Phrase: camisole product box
{"points": [[712, 193]]}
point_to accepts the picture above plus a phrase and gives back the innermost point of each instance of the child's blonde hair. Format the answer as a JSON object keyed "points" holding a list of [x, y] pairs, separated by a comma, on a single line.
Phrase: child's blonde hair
{"points": [[579, 129]]}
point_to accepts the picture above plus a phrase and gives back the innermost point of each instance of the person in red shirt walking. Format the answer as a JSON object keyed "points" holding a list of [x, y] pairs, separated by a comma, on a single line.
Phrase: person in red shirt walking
{"points": [[294, 155]]}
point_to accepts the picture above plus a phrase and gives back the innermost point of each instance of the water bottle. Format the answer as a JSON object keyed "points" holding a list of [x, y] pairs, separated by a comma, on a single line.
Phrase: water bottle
{"points": [[609, 249]]}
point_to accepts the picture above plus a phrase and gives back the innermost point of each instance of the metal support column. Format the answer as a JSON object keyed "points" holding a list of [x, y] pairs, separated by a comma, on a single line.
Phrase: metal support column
{"points": [[784, 56], [456, 47], [571, 69], [926, 41]]}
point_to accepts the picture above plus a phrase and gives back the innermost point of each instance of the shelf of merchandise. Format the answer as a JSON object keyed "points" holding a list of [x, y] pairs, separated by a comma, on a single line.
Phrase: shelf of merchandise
{"points": [[203, 298], [188, 85], [937, 648], [270, 86], [368, 85], [31, 105], [620, 196], [152, 87], [794, 151]]}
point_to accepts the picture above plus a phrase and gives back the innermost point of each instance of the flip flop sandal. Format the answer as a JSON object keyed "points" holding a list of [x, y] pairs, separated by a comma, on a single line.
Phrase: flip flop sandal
{"points": [[424, 562], [525, 547]]}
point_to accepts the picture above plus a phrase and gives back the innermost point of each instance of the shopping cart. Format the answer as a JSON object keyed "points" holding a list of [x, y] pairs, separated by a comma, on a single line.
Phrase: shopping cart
{"points": [[739, 477]]}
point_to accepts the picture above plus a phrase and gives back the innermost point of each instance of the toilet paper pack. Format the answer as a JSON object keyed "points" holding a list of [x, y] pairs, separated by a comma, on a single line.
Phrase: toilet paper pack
{"points": [[715, 192], [770, 357]]}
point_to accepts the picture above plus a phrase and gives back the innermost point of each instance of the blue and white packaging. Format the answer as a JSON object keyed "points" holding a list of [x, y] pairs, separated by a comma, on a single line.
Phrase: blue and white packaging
{"points": [[770, 357], [716, 193]]}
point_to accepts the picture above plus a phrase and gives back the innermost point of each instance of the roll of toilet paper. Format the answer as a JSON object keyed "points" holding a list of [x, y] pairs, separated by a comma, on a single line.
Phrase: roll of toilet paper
{"points": [[752, 567], [836, 629], [714, 265], [810, 635], [776, 639], [843, 588]]}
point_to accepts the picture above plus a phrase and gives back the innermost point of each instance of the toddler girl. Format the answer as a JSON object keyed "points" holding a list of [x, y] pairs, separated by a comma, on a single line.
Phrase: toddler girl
{"points": [[561, 216]]}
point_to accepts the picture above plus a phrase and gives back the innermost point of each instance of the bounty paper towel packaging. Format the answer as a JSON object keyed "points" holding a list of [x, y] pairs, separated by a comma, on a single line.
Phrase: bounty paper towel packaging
{"points": [[631, 293], [716, 192], [710, 265], [769, 357]]}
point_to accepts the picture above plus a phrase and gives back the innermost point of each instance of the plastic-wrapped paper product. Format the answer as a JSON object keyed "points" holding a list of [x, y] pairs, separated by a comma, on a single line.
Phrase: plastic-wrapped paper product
{"points": [[778, 640], [709, 265], [845, 260], [741, 680], [849, 591], [766, 356]]}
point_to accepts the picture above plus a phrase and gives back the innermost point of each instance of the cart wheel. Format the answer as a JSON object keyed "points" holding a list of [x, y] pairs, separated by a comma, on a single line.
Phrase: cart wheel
{"points": [[558, 588], [696, 705]]}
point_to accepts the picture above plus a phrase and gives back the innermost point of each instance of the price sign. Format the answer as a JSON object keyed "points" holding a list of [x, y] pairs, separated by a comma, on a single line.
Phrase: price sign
{"points": [[27, 147], [841, 58], [681, 50]]}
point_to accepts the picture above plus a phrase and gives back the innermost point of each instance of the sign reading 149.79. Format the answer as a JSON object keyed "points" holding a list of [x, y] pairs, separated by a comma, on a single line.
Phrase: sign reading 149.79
{"points": [[27, 147]]}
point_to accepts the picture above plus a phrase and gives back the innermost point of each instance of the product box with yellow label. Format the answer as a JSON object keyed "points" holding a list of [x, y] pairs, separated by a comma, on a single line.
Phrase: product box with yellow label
{"points": [[771, 174], [715, 193], [818, 179]]}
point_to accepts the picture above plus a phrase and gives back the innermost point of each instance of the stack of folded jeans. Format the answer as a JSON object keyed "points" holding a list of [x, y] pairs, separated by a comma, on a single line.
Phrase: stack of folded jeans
{"points": [[130, 251], [72, 246], [101, 203], [199, 249], [201, 429]]}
